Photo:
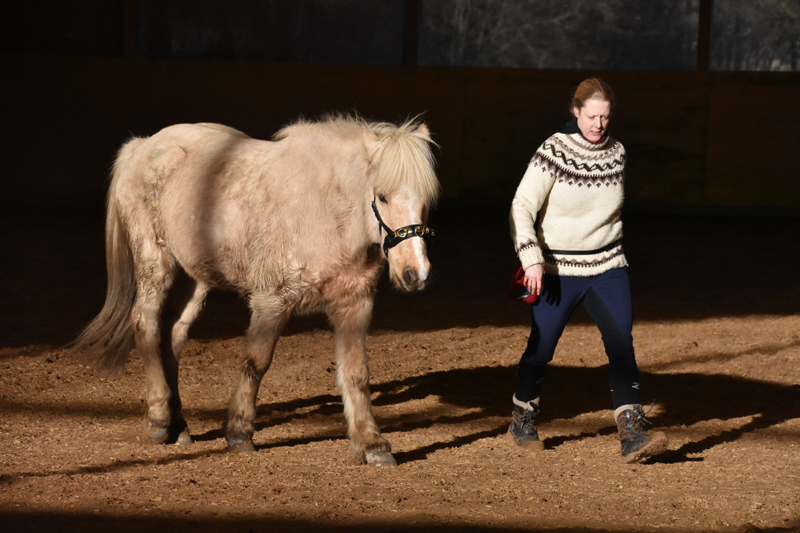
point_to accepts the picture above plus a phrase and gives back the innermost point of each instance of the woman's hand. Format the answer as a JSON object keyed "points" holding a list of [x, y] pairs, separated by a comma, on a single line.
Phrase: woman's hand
{"points": [[533, 279]]}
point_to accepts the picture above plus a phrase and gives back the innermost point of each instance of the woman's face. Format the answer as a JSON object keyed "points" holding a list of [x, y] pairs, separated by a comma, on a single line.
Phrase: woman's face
{"points": [[593, 118]]}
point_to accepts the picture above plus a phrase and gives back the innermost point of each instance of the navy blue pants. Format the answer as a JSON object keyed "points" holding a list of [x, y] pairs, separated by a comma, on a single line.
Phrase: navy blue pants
{"points": [[607, 299]]}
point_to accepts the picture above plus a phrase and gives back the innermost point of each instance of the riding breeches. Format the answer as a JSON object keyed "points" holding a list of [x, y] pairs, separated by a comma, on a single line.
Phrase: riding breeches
{"points": [[607, 299]]}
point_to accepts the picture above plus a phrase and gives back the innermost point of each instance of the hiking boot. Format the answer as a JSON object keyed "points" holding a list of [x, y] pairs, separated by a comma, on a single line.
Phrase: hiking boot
{"points": [[522, 430], [636, 443]]}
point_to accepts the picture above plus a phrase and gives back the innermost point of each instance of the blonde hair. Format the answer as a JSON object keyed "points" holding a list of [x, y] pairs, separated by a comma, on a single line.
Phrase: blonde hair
{"points": [[404, 159]]}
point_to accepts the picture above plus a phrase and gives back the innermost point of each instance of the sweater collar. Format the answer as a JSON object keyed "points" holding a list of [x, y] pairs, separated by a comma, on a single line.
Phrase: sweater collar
{"points": [[571, 128]]}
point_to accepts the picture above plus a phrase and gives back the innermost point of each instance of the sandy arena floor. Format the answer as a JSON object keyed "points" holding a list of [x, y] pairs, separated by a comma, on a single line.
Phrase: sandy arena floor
{"points": [[717, 334]]}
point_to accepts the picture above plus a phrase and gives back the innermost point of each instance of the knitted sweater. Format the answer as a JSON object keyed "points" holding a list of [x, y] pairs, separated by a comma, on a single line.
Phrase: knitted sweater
{"points": [[576, 188]]}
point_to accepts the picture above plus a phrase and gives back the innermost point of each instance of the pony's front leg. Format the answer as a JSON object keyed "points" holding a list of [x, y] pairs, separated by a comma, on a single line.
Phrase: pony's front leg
{"points": [[266, 324], [352, 375]]}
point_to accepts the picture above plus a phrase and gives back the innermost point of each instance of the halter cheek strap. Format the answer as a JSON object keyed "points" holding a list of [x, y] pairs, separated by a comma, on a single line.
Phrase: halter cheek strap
{"points": [[395, 237]]}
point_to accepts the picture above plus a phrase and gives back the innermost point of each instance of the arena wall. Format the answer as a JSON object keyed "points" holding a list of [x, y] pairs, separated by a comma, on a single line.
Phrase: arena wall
{"points": [[700, 141]]}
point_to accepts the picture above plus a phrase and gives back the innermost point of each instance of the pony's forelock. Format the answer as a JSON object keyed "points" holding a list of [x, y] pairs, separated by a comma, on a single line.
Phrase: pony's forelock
{"points": [[404, 160]]}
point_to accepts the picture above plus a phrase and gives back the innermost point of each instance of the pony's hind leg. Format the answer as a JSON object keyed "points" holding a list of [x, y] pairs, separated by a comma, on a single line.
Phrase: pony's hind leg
{"points": [[155, 272], [352, 375], [266, 323], [184, 302]]}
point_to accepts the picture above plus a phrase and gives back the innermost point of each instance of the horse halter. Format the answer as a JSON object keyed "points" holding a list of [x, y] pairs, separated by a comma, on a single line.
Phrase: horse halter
{"points": [[395, 237]]}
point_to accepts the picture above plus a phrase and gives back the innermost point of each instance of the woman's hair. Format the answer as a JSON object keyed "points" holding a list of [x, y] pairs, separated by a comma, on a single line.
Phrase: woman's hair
{"points": [[591, 89]]}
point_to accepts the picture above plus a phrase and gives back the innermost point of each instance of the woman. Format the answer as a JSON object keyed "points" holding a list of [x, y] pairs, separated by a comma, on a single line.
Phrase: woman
{"points": [[565, 222]]}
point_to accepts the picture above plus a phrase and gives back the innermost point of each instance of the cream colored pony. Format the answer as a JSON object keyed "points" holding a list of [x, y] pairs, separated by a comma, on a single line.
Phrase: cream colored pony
{"points": [[294, 225]]}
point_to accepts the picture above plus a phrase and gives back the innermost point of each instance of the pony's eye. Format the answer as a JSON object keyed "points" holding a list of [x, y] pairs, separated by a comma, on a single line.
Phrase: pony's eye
{"points": [[382, 198]]}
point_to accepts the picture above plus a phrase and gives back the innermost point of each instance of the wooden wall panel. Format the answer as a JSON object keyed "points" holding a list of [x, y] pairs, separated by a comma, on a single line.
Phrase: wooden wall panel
{"points": [[699, 140]]}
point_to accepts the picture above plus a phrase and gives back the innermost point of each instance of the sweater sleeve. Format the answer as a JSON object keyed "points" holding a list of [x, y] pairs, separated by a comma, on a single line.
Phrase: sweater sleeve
{"points": [[531, 195]]}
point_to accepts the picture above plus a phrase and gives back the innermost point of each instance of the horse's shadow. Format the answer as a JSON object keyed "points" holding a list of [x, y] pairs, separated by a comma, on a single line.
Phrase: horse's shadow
{"points": [[684, 399]]}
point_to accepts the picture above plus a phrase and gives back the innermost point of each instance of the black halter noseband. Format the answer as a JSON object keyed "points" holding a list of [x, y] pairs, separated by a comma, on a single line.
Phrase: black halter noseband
{"points": [[395, 237]]}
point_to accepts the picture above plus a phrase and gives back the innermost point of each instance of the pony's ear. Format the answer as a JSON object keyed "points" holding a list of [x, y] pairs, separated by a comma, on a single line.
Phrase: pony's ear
{"points": [[423, 130], [370, 142]]}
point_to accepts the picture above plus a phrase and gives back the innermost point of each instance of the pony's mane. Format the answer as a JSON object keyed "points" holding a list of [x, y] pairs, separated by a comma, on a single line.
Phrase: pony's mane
{"points": [[331, 123], [403, 158]]}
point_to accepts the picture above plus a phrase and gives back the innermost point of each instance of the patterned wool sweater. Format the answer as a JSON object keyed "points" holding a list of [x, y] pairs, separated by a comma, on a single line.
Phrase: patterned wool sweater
{"points": [[576, 188]]}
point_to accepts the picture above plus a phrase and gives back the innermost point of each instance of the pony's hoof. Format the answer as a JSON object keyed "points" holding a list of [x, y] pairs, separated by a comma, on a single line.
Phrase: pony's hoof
{"points": [[176, 433], [184, 437], [240, 445], [380, 459], [157, 435]]}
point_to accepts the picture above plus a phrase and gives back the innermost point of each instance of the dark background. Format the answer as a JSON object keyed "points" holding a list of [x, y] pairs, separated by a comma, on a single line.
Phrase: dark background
{"points": [[81, 77], [713, 195]]}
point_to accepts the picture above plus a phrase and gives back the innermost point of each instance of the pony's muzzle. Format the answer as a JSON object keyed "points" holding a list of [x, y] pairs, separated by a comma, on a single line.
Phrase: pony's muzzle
{"points": [[412, 280]]}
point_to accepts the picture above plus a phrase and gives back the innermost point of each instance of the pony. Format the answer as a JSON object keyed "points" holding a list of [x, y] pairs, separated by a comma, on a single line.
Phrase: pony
{"points": [[299, 224]]}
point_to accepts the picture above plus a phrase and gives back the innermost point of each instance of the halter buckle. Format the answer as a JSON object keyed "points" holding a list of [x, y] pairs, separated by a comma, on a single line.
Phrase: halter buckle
{"points": [[395, 237]]}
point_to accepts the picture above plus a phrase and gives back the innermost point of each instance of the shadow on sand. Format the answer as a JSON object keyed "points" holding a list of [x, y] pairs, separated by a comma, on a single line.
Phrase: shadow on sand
{"points": [[67, 522], [685, 399]]}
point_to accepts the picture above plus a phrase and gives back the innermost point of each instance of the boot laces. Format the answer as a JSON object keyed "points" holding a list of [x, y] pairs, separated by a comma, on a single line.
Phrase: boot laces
{"points": [[638, 415], [525, 416]]}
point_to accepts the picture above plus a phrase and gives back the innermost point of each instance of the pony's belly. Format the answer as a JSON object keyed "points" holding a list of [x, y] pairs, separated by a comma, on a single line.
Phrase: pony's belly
{"points": [[207, 249], [215, 266]]}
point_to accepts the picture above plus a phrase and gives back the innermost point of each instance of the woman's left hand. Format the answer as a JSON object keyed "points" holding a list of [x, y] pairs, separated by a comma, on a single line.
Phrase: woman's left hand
{"points": [[534, 275]]}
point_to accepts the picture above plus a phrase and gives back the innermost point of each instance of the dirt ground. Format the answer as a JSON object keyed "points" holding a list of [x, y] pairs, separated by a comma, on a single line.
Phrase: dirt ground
{"points": [[717, 334]]}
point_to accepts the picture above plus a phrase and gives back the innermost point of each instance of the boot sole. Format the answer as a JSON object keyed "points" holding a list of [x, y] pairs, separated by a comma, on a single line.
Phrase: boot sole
{"points": [[532, 445], [657, 444]]}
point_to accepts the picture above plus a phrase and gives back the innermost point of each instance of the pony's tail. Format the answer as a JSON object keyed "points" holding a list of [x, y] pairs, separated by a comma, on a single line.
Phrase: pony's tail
{"points": [[107, 341]]}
